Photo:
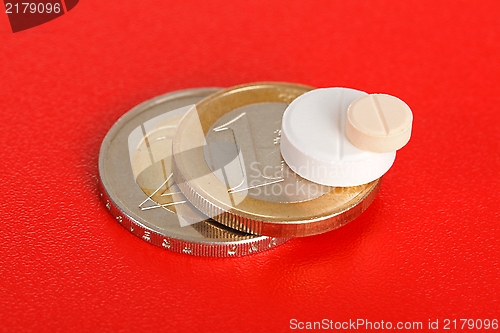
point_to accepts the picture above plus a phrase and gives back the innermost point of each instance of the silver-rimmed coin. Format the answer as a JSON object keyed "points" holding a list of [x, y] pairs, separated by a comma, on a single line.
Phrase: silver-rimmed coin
{"points": [[136, 184]]}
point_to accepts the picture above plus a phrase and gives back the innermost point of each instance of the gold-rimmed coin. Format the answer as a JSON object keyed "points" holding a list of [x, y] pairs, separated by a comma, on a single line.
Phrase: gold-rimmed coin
{"points": [[228, 165]]}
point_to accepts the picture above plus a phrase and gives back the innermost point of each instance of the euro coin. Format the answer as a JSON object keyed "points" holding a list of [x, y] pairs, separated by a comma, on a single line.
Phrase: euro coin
{"points": [[228, 165], [137, 185]]}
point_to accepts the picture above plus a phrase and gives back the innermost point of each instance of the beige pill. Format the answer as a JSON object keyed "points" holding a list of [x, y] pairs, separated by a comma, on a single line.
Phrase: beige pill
{"points": [[379, 123]]}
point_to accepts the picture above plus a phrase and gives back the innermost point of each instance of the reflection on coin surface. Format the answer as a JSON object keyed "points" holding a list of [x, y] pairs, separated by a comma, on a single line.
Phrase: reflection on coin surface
{"points": [[136, 184], [228, 165]]}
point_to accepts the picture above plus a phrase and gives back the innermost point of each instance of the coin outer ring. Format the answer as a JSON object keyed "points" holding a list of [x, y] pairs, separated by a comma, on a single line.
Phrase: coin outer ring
{"points": [[136, 226], [252, 215], [213, 249]]}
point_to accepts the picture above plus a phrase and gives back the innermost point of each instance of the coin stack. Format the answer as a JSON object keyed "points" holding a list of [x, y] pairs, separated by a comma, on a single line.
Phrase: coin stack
{"points": [[231, 172]]}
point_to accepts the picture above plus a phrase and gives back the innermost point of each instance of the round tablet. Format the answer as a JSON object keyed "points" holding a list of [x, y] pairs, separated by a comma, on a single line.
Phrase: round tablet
{"points": [[379, 123], [314, 144]]}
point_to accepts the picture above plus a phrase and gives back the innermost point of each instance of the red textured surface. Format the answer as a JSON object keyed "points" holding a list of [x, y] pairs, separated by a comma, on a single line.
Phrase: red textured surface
{"points": [[427, 248]]}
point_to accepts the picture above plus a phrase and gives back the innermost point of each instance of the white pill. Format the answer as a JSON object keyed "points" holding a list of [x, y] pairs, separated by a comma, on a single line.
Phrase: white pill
{"points": [[379, 123], [314, 144]]}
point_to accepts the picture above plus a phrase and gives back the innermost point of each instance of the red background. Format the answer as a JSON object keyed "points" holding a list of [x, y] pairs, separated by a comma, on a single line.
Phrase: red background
{"points": [[427, 248]]}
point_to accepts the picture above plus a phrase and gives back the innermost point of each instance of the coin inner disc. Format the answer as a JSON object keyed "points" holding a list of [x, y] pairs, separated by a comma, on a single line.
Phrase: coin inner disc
{"points": [[243, 150]]}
